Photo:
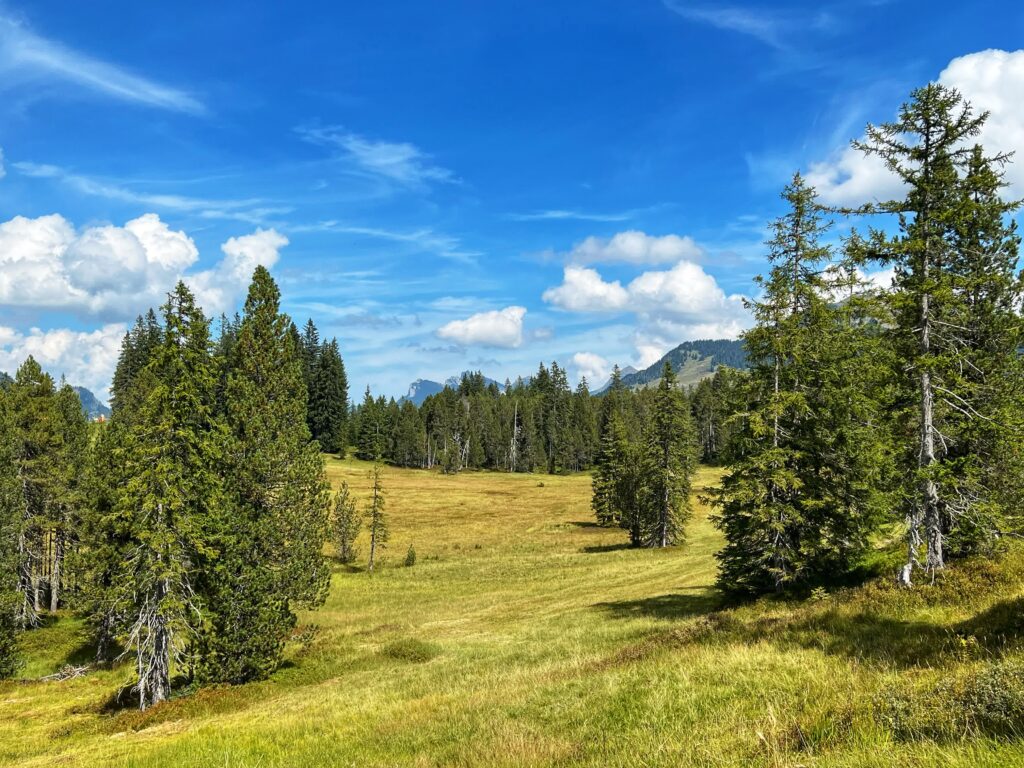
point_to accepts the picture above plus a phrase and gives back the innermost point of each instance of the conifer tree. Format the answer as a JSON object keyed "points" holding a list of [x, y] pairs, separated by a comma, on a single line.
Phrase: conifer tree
{"points": [[800, 495], [376, 520], [269, 557], [68, 499], [328, 405], [346, 525], [11, 511], [669, 462], [928, 149], [37, 445], [171, 499]]}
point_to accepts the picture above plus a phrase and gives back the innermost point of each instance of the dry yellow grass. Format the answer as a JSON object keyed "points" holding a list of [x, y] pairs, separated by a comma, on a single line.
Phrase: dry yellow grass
{"points": [[524, 635]]}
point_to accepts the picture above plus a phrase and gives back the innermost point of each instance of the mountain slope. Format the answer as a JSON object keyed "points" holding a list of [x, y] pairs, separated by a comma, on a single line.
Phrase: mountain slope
{"points": [[421, 389], [692, 361]]}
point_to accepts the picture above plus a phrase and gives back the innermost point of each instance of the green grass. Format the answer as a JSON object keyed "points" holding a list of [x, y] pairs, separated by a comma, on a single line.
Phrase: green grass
{"points": [[526, 635]]}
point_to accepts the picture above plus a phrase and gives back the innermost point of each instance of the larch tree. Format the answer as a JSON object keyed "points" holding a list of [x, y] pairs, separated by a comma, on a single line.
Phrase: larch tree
{"points": [[376, 520], [346, 525], [936, 264], [270, 549]]}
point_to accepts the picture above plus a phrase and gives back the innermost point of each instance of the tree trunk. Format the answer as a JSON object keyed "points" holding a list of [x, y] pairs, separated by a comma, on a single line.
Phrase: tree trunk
{"points": [[55, 572]]}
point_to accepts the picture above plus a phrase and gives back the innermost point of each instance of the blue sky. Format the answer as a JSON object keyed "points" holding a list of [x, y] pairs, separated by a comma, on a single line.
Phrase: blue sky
{"points": [[445, 185]]}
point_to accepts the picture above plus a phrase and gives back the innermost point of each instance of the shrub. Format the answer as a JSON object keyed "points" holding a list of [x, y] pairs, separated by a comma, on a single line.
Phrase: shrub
{"points": [[410, 557], [988, 701]]}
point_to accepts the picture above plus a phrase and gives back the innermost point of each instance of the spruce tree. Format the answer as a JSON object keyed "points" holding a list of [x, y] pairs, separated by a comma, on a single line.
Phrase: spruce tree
{"points": [[328, 405], [69, 492], [269, 557], [669, 463], [11, 510], [799, 497], [37, 446], [171, 499]]}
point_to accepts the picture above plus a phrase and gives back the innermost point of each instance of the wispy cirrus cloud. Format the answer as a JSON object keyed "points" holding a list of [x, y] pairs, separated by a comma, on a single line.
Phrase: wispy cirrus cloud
{"points": [[772, 28], [249, 210], [443, 245], [569, 215], [400, 162], [26, 58]]}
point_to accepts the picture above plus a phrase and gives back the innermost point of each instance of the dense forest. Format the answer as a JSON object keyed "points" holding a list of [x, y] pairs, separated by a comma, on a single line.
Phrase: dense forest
{"points": [[189, 528]]}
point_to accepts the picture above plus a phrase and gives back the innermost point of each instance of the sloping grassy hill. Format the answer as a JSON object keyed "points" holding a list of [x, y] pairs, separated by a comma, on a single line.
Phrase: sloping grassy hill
{"points": [[525, 635]]}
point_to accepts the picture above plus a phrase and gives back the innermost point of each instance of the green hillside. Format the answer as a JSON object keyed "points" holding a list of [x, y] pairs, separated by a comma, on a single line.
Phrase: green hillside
{"points": [[692, 361], [525, 635]]}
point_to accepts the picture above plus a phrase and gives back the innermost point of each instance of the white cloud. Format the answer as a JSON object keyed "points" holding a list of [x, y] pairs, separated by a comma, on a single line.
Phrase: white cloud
{"points": [[217, 289], [498, 328], [86, 358], [584, 290], [26, 59], [991, 80], [672, 305], [635, 247], [402, 162], [592, 367], [117, 272]]}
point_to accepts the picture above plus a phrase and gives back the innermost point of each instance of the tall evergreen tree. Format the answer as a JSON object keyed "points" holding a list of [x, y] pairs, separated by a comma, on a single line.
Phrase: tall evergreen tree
{"points": [[328, 405], [37, 446], [669, 462], [171, 498], [270, 554], [800, 495], [69, 493], [11, 510]]}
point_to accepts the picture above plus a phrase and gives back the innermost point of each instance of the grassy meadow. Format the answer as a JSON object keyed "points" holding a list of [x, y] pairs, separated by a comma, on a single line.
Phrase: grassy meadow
{"points": [[526, 635]]}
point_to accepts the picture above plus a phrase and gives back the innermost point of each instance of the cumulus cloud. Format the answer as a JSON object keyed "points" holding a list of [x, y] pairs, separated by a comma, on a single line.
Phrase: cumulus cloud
{"points": [[498, 328], [594, 368], [682, 300], [584, 290], [635, 247], [670, 305], [86, 358], [991, 80], [217, 289], [116, 272]]}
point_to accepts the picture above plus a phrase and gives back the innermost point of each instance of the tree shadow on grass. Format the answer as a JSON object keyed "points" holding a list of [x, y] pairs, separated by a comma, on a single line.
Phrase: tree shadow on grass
{"points": [[588, 524], [863, 636], [671, 606], [997, 629], [598, 548]]}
